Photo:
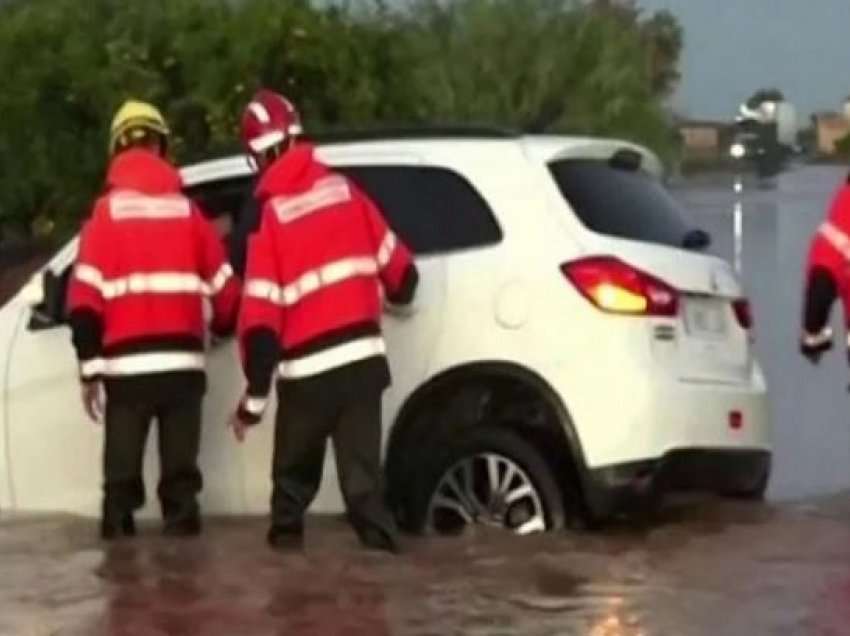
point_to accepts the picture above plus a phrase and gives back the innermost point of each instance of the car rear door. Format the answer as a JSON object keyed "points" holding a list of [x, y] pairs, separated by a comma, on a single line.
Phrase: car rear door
{"points": [[409, 196]]}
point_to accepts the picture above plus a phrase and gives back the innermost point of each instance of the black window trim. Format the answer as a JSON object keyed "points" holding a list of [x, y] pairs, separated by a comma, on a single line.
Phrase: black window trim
{"points": [[499, 234], [551, 168], [496, 237]]}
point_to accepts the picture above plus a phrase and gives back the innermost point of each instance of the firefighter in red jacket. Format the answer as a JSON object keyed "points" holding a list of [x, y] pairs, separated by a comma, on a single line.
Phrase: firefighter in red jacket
{"points": [[827, 277], [148, 261], [318, 270]]}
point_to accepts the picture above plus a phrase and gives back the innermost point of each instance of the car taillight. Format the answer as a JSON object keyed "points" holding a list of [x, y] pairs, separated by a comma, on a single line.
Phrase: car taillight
{"points": [[618, 288], [743, 313]]}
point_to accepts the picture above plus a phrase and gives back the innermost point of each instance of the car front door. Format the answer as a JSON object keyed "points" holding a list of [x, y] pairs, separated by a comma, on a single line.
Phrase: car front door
{"points": [[53, 450]]}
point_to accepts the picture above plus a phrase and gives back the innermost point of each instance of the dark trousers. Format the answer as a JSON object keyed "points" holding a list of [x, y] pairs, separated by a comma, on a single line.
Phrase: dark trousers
{"points": [[127, 426], [308, 415]]}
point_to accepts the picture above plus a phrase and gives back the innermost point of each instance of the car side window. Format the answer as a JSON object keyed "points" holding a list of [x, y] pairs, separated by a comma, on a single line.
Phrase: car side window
{"points": [[222, 202], [619, 202], [433, 210], [17, 264]]}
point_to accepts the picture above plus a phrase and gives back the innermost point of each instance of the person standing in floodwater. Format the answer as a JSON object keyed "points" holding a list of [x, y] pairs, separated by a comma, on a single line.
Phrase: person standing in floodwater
{"points": [[148, 258], [318, 270], [827, 277]]}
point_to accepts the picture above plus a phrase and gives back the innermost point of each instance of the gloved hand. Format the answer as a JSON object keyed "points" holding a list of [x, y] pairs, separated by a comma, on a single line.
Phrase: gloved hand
{"points": [[248, 413], [813, 347], [239, 427], [94, 400]]}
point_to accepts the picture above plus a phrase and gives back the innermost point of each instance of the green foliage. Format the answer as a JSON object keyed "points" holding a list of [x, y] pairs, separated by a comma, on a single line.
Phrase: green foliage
{"points": [[539, 65]]}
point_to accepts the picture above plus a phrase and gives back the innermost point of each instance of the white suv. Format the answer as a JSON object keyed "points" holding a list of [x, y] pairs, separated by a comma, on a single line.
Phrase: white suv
{"points": [[572, 348]]}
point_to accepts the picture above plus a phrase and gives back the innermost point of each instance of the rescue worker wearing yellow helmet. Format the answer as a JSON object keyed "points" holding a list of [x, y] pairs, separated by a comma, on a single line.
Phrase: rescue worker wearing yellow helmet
{"points": [[138, 124], [148, 260]]}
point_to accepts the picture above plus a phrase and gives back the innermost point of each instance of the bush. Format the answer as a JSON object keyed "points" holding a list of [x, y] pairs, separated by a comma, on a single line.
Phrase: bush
{"points": [[537, 65]]}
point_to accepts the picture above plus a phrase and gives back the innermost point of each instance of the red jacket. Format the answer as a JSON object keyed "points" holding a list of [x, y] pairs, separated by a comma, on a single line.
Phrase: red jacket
{"points": [[147, 261], [318, 270], [828, 271]]}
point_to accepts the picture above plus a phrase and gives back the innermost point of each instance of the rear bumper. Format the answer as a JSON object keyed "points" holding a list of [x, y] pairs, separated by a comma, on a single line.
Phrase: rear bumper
{"points": [[642, 415], [623, 487]]}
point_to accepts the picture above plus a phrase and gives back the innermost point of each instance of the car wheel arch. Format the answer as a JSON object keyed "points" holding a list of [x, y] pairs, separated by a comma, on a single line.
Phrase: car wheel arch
{"points": [[416, 423]]}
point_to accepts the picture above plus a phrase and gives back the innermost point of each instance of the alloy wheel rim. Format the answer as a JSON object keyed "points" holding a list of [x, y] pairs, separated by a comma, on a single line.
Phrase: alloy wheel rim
{"points": [[486, 489]]}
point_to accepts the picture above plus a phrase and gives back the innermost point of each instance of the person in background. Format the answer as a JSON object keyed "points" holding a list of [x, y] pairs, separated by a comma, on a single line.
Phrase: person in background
{"points": [[148, 261], [317, 271], [827, 277]]}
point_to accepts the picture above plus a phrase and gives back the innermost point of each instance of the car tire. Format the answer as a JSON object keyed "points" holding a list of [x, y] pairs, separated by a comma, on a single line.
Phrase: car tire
{"points": [[469, 465]]}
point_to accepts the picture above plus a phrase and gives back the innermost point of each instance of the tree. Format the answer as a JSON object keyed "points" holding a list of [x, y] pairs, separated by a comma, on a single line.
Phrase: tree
{"points": [[565, 66], [665, 40]]}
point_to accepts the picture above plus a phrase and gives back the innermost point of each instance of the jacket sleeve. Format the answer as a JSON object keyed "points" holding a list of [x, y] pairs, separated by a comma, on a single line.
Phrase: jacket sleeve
{"points": [[86, 302], [260, 320], [826, 272], [222, 285], [820, 295], [397, 269]]}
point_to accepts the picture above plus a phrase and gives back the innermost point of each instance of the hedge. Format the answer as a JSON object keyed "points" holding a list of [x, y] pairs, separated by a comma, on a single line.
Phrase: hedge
{"points": [[535, 65]]}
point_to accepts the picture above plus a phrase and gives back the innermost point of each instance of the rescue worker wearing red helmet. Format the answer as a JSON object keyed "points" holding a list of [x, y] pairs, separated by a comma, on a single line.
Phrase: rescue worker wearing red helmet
{"points": [[148, 262], [827, 277], [318, 270]]}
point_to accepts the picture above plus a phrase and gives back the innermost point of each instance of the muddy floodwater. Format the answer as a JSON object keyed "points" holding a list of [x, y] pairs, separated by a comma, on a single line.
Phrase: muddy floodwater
{"points": [[701, 567], [715, 569]]}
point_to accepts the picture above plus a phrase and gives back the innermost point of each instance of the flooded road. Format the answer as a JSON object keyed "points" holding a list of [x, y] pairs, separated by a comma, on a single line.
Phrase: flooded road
{"points": [[810, 405], [719, 569], [715, 568]]}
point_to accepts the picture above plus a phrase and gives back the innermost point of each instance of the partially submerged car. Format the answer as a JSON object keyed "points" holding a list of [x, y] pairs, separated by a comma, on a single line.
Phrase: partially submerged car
{"points": [[573, 347]]}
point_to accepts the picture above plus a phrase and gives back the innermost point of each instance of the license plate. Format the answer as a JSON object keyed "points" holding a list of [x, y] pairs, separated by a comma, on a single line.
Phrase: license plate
{"points": [[706, 318]]}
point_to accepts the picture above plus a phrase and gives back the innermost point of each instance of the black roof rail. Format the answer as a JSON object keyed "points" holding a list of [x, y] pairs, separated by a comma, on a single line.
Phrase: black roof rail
{"points": [[411, 132]]}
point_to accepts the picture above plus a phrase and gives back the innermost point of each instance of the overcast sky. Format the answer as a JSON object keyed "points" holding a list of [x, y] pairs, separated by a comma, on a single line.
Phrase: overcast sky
{"points": [[735, 46]]}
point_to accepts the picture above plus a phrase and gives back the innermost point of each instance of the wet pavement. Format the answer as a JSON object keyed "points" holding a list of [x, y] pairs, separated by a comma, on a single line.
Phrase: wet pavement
{"points": [[710, 567], [717, 568]]}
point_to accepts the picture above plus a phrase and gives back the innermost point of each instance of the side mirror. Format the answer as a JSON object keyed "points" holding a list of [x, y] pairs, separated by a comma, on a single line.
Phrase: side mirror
{"points": [[696, 240], [45, 293], [54, 296], [33, 292]]}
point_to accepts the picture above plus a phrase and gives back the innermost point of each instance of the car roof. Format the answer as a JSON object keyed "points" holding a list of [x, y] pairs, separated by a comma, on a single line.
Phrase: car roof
{"points": [[538, 148]]}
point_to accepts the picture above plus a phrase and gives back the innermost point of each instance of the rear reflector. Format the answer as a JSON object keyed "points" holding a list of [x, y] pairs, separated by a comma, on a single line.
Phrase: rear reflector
{"points": [[618, 288], [736, 420], [743, 313]]}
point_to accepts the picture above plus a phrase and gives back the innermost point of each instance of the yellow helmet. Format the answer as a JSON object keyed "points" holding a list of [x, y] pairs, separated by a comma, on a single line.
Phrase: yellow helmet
{"points": [[135, 120]]}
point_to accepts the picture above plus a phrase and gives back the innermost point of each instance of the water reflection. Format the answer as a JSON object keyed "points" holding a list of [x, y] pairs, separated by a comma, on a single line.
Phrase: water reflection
{"points": [[707, 568]]}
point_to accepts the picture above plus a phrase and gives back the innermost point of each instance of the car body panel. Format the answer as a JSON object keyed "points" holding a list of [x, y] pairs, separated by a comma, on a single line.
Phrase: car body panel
{"points": [[630, 396]]}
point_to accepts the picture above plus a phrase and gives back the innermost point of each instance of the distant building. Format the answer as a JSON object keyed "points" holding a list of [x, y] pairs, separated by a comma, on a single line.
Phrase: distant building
{"points": [[703, 139], [830, 128]]}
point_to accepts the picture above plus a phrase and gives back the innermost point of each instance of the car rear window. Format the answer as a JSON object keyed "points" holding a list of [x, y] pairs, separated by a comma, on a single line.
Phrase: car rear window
{"points": [[620, 202], [433, 210]]}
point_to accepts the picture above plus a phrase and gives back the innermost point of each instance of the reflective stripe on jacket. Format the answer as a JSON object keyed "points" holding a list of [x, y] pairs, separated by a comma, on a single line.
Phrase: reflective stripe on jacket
{"points": [[318, 270], [148, 262]]}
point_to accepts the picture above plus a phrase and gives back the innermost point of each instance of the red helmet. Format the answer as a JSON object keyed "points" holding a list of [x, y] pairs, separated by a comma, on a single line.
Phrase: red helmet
{"points": [[269, 120]]}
